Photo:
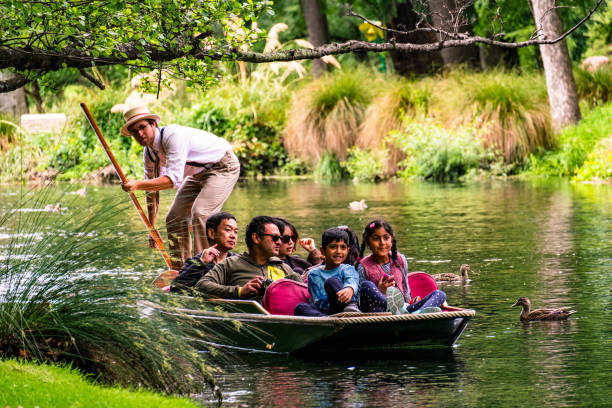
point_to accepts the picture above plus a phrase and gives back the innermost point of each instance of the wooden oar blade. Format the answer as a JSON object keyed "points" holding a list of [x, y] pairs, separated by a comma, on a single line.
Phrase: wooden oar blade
{"points": [[165, 278]]}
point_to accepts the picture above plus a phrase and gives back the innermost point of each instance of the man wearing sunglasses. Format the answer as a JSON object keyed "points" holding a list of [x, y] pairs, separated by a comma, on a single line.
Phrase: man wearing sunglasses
{"points": [[245, 276], [201, 165]]}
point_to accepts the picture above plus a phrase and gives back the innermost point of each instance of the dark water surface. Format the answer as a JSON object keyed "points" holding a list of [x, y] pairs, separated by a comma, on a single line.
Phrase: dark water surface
{"points": [[550, 241]]}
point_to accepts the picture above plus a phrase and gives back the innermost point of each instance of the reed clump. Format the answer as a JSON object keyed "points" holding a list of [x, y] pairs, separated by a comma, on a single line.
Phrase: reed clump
{"points": [[326, 114], [510, 111], [59, 301], [397, 100]]}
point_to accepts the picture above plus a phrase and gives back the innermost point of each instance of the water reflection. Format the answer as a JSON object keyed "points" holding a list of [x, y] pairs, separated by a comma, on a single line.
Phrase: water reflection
{"points": [[548, 240], [369, 380]]}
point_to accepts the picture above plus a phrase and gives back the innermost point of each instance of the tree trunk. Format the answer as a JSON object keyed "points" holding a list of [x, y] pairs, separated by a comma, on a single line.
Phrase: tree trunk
{"points": [[318, 31], [12, 103], [34, 93], [562, 95], [407, 63], [446, 17]]}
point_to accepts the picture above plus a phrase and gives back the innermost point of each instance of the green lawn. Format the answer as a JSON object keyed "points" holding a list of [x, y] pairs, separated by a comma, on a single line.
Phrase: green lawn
{"points": [[31, 385]]}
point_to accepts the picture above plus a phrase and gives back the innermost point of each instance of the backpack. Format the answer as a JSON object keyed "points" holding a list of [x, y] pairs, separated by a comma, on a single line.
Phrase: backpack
{"points": [[283, 295]]}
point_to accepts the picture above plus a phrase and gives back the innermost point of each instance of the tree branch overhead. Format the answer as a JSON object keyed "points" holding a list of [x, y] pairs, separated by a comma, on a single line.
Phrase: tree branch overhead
{"points": [[193, 34]]}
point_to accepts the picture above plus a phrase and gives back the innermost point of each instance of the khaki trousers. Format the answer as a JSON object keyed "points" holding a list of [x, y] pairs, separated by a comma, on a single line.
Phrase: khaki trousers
{"points": [[198, 197]]}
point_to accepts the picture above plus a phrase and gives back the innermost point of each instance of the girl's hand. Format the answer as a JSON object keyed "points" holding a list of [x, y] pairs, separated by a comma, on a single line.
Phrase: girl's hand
{"points": [[385, 282], [308, 244], [209, 254], [345, 295]]}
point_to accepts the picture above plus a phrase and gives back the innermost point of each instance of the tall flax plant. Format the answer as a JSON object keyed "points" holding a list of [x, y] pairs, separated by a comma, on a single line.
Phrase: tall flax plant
{"points": [[325, 115], [512, 112], [59, 301]]}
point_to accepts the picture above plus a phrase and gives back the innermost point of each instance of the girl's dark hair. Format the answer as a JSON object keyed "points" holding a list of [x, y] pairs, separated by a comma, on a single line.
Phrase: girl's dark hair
{"points": [[287, 224], [353, 244], [369, 230]]}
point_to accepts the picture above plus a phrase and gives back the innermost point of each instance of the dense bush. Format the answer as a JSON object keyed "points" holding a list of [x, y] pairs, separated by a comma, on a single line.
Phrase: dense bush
{"points": [[365, 165], [576, 144], [434, 153], [594, 88]]}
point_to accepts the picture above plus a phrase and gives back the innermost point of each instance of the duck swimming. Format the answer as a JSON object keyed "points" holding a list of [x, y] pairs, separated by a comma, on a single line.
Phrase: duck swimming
{"points": [[451, 277], [541, 314], [358, 205]]}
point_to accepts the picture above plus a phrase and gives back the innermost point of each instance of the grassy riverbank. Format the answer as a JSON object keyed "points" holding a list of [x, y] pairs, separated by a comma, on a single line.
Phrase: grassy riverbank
{"points": [[29, 385], [452, 125]]}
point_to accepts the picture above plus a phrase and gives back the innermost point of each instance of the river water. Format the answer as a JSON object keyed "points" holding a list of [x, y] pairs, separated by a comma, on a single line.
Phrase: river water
{"points": [[548, 240]]}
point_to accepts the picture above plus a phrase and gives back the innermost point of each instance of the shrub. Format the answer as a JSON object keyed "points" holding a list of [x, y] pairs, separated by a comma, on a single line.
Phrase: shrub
{"points": [[433, 153], [594, 87], [251, 117], [575, 143], [329, 169], [365, 165], [509, 110]]}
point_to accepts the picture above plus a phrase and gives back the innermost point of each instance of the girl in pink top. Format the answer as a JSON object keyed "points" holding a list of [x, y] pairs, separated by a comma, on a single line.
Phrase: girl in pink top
{"points": [[383, 275]]}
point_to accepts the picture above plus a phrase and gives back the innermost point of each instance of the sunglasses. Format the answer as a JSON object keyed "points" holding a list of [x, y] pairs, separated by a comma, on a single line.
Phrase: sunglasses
{"points": [[274, 237], [286, 238]]}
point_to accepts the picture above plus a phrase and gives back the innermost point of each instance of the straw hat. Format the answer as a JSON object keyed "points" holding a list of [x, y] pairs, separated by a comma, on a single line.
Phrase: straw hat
{"points": [[135, 114]]}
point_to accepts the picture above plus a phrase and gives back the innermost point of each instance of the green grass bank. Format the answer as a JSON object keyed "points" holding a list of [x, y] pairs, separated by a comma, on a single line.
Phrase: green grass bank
{"points": [[31, 385]]}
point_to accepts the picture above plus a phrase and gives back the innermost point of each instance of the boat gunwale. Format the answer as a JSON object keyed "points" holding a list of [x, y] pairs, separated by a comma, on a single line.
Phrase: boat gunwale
{"points": [[341, 319]]}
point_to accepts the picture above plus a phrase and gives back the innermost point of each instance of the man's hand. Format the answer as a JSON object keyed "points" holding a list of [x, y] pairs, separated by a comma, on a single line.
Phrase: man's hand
{"points": [[152, 243], [251, 288], [209, 254], [129, 185], [345, 295], [385, 282]]}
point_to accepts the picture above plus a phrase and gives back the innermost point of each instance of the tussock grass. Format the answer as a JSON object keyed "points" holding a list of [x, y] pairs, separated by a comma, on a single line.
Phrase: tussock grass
{"points": [[325, 115], [511, 111], [399, 98], [60, 302]]}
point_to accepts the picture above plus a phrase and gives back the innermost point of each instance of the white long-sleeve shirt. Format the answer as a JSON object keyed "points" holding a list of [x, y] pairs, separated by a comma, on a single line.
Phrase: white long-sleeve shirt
{"points": [[179, 150]]}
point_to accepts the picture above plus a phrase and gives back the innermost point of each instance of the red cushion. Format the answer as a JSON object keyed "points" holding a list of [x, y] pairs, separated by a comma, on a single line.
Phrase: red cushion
{"points": [[283, 295], [421, 284]]}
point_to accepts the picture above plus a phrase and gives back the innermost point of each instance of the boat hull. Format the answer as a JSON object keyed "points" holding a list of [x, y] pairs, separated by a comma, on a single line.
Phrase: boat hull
{"points": [[259, 331]]}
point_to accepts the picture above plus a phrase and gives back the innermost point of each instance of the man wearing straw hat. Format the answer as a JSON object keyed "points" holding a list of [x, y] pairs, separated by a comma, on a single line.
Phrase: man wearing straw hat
{"points": [[201, 165]]}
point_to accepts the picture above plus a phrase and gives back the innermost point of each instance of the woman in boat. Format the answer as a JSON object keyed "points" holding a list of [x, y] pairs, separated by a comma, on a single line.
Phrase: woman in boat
{"points": [[385, 272], [289, 241]]}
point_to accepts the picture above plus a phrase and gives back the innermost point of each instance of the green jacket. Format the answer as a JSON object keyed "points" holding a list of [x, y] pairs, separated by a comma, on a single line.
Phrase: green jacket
{"points": [[225, 278]]}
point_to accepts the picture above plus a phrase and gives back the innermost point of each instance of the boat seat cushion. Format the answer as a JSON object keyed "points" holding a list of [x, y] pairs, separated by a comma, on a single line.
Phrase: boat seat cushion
{"points": [[421, 284], [283, 295]]}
